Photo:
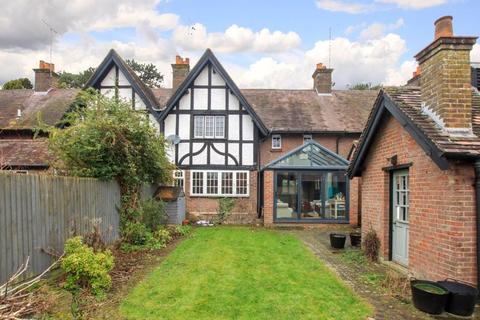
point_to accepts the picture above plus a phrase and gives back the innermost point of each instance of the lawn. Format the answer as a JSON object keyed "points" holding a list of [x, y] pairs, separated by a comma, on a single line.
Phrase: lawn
{"points": [[242, 273]]}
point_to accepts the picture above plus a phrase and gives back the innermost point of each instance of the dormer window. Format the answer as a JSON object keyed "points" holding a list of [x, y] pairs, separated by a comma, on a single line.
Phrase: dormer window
{"points": [[276, 142], [209, 127]]}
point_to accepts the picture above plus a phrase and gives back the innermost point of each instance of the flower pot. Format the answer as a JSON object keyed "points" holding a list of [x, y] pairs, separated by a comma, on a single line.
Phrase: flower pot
{"points": [[337, 240], [355, 239], [461, 299], [429, 296]]}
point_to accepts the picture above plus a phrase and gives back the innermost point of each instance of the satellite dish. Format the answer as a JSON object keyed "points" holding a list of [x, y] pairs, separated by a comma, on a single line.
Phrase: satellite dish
{"points": [[174, 139]]}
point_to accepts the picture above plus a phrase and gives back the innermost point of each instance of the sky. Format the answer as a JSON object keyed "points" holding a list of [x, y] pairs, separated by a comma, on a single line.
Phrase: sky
{"points": [[262, 43]]}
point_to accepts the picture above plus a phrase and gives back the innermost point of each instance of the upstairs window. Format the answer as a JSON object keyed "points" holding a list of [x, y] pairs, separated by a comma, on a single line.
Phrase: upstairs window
{"points": [[307, 138], [209, 127], [276, 141]]}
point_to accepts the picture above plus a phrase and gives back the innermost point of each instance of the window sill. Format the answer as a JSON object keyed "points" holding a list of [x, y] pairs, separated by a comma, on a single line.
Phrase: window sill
{"points": [[276, 150]]}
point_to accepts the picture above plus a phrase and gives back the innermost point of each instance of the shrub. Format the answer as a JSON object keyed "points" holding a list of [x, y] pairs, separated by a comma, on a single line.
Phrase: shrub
{"points": [[159, 239], [136, 233], [152, 213], [182, 230], [371, 245], [225, 206], [85, 268]]}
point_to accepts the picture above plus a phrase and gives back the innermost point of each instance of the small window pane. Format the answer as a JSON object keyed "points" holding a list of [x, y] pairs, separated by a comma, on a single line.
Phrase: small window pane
{"points": [[178, 179], [276, 141], [212, 182], [209, 127], [242, 183], [307, 137], [197, 182], [199, 127], [227, 182], [219, 127]]}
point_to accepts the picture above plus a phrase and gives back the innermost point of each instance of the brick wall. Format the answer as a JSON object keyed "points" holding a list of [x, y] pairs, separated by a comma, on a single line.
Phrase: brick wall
{"points": [[442, 206], [293, 140], [446, 89], [245, 210]]}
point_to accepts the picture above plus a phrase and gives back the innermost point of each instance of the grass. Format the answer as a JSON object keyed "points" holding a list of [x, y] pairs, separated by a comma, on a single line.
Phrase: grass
{"points": [[353, 256], [242, 273]]}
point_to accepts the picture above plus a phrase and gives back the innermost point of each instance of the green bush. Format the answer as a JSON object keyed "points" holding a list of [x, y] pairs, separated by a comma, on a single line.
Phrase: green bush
{"points": [[152, 213], [159, 239], [225, 207], [136, 233], [85, 268], [182, 230]]}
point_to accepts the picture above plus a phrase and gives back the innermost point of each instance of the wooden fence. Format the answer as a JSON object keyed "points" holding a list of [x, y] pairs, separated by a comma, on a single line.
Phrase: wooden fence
{"points": [[39, 212]]}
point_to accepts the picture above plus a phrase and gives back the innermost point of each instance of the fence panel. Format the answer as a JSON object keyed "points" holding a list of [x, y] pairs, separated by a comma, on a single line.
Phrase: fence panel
{"points": [[39, 212]]}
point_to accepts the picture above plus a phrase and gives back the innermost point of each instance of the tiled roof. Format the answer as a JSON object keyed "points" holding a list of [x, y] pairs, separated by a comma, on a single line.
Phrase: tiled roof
{"points": [[24, 153], [305, 110], [49, 107], [407, 99]]}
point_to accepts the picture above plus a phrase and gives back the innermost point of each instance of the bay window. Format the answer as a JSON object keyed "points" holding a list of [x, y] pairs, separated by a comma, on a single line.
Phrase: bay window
{"points": [[220, 183]]}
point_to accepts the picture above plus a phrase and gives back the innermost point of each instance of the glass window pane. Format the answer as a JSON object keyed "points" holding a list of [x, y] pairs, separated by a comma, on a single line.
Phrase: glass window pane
{"points": [[335, 192], [242, 183], [199, 127], [209, 127], [286, 196], [197, 182], [276, 141], [227, 182], [212, 182], [219, 127], [311, 206]]}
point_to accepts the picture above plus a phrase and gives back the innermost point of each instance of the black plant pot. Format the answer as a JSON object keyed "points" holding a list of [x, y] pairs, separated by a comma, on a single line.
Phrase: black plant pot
{"points": [[426, 301], [355, 239], [337, 240], [461, 298]]}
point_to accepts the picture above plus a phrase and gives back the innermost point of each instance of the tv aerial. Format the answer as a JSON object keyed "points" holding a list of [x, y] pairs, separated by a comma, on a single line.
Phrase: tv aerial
{"points": [[173, 139]]}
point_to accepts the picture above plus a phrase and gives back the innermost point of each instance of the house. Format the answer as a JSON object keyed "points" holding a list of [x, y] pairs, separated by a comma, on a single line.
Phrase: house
{"points": [[279, 153], [419, 163]]}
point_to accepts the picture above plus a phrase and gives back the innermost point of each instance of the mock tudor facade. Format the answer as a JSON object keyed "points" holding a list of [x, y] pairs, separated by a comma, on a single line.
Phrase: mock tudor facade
{"points": [[280, 153]]}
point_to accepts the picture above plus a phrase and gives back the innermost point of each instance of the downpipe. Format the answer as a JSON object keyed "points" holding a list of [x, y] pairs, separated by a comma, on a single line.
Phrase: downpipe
{"points": [[477, 208]]}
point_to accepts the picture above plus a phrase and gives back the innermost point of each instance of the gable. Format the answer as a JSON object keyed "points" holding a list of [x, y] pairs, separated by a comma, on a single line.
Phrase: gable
{"points": [[209, 87], [310, 155], [384, 105], [114, 77]]}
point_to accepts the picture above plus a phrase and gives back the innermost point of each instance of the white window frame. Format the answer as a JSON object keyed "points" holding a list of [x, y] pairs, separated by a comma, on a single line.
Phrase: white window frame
{"points": [[307, 137], [276, 137], [219, 193], [179, 175], [209, 124]]}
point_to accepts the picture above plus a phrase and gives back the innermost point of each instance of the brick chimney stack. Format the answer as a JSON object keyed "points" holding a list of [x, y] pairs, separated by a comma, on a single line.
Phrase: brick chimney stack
{"points": [[322, 79], [180, 69], [45, 77], [446, 75]]}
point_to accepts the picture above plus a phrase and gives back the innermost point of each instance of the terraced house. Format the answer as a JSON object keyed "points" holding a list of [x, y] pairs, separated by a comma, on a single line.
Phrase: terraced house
{"points": [[280, 153]]}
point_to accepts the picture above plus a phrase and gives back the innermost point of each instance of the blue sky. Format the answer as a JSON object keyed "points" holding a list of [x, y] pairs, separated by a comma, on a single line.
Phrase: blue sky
{"points": [[261, 43]]}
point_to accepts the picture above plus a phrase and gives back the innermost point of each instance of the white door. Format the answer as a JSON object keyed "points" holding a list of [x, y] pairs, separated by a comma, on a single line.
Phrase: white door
{"points": [[400, 201]]}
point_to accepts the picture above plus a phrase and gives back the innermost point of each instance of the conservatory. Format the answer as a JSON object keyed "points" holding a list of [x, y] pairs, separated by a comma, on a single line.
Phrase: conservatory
{"points": [[310, 185]]}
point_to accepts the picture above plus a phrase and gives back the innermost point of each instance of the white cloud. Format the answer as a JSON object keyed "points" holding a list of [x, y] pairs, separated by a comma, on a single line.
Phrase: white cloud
{"points": [[414, 4], [353, 62], [23, 26], [357, 7], [377, 29], [234, 39], [475, 53], [344, 6]]}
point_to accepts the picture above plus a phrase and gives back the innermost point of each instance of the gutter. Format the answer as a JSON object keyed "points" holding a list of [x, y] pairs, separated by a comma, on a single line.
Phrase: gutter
{"points": [[477, 208]]}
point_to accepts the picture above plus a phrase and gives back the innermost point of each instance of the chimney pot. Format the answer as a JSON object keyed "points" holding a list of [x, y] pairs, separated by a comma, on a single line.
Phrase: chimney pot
{"points": [[45, 76], [444, 27], [322, 79], [180, 69]]}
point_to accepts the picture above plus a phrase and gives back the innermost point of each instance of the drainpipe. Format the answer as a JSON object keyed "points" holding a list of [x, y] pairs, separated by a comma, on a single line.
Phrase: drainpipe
{"points": [[477, 207]]}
